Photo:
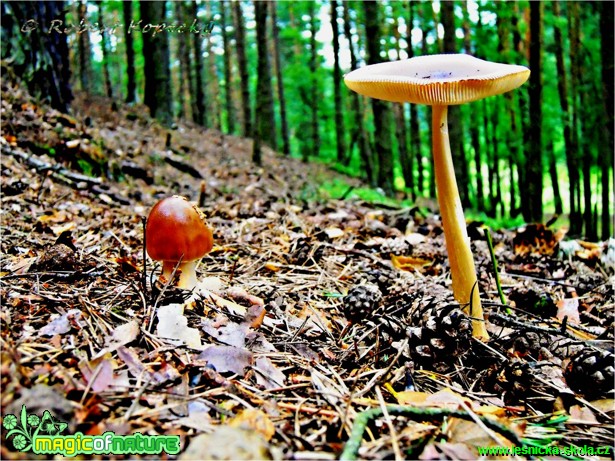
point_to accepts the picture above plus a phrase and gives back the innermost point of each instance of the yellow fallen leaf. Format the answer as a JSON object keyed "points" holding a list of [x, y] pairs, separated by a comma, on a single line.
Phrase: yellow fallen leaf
{"points": [[273, 267], [408, 263], [254, 420], [57, 230], [411, 397]]}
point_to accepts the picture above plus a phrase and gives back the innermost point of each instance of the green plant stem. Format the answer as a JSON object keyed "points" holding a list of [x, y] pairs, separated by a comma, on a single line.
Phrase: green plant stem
{"points": [[351, 449], [496, 271]]}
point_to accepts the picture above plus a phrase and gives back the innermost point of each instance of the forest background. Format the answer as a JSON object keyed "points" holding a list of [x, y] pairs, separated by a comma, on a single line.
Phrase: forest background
{"points": [[273, 71]]}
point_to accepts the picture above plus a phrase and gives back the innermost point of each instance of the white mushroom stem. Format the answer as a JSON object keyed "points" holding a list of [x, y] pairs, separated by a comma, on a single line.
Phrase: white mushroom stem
{"points": [[460, 256], [186, 272]]}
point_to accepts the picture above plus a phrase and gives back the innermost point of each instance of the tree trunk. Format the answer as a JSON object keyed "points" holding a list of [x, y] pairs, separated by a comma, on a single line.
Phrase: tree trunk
{"points": [[45, 53], [489, 148], [381, 109], [212, 90], [365, 152], [576, 223], [474, 119], [428, 12], [83, 44], [401, 133], [415, 136], [455, 121], [264, 117], [315, 83], [183, 53], [200, 113], [495, 179], [605, 157], [263, 93], [523, 124], [105, 51], [131, 85], [562, 88], [228, 92], [340, 130], [534, 167], [554, 180], [279, 77], [242, 62], [158, 95]]}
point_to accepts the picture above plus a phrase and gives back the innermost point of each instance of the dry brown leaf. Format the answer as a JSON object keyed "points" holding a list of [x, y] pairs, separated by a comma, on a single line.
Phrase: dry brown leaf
{"points": [[268, 375], [228, 358]]}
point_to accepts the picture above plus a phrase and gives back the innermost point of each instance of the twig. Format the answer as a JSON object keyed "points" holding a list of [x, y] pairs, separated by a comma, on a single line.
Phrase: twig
{"points": [[506, 320], [387, 418], [351, 449]]}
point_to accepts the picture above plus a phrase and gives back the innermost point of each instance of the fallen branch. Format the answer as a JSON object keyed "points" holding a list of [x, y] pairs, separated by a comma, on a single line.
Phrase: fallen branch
{"points": [[57, 169]]}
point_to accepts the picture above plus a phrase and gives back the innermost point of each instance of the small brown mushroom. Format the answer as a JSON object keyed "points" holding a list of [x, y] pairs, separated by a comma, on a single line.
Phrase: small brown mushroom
{"points": [[177, 234], [440, 81]]}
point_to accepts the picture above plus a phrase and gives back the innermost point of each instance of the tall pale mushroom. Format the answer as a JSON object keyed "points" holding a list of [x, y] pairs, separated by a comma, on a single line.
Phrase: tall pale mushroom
{"points": [[441, 81]]}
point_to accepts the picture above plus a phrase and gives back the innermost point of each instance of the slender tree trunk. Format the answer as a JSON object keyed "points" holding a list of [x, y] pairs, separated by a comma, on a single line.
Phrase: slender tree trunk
{"points": [[84, 50], [576, 222], [523, 124], [535, 168], [242, 63], [449, 45], [381, 109], [340, 130], [474, 120], [183, 53], [496, 197], [563, 99], [401, 133], [212, 105], [200, 115], [228, 92], [315, 83], [105, 51], [279, 77], [428, 12], [554, 179], [156, 56], [605, 155], [131, 85], [415, 136], [262, 128], [365, 152]]}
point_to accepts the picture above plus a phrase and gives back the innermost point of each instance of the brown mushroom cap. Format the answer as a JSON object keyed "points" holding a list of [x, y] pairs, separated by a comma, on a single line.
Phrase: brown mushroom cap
{"points": [[436, 80], [176, 230]]}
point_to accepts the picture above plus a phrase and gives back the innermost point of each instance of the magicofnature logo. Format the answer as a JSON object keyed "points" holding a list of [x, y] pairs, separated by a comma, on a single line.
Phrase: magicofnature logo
{"points": [[43, 435]]}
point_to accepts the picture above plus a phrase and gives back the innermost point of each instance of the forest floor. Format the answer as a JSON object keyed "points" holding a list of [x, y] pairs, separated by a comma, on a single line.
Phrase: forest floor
{"points": [[310, 310]]}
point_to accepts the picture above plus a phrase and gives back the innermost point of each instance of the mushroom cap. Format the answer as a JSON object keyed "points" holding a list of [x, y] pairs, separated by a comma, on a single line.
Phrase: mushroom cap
{"points": [[176, 230], [436, 80]]}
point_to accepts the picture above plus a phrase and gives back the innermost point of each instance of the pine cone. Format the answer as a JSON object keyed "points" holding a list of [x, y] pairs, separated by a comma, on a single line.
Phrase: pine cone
{"points": [[383, 279], [361, 302], [305, 252], [442, 333], [512, 380], [591, 372]]}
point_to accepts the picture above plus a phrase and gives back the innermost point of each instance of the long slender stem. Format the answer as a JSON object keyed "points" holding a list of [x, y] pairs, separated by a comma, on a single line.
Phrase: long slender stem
{"points": [[463, 272]]}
